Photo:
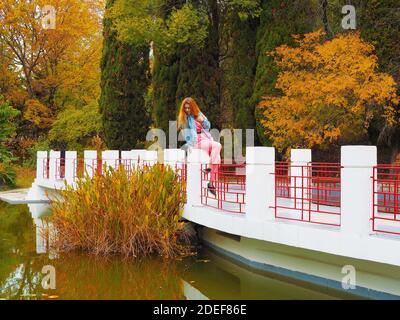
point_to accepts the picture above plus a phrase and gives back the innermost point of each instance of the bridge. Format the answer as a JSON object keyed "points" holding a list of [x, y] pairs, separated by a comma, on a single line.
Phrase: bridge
{"points": [[347, 211]]}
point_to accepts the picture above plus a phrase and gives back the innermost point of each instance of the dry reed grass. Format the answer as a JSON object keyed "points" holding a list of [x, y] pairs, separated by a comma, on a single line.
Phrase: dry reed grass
{"points": [[134, 215]]}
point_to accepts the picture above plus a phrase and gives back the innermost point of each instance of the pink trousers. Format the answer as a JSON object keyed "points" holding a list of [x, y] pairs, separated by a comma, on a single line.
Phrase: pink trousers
{"points": [[213, 149]]}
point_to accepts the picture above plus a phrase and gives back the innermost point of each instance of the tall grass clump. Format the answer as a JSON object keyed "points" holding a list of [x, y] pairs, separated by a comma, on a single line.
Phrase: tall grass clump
{"points": [[115, 213]]}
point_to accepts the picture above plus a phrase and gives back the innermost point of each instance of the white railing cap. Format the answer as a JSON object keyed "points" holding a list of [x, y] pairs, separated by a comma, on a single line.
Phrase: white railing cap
{"points": [[260, 155], [42, 154], [358, 156], [198, 156], [300, 155]]}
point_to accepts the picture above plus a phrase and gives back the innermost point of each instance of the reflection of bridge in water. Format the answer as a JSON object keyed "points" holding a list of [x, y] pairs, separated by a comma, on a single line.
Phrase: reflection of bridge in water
{"points": [[222, 278]]}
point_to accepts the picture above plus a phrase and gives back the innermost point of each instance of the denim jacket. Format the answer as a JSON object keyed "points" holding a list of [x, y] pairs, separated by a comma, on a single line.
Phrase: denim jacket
{"points": [[189, 130]]}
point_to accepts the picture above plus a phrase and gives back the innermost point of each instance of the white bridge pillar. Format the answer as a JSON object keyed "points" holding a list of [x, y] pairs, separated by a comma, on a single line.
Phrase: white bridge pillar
{"points": [[195, 159], [54, 158], [70, 166], [90, 162], [138, 156], [260, 183], [41, 163], [175, 158], [299, 159], [356, 188], [151, 157], [110, 159], [128, 161], [300, 183]]}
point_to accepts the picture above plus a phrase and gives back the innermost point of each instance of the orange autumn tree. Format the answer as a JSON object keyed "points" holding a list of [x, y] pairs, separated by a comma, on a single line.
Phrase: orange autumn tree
{"points": [[330, 92], [57, 66]]}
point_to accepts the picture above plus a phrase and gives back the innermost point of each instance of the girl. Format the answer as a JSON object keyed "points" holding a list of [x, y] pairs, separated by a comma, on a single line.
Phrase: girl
{"points": [[196, 128]]}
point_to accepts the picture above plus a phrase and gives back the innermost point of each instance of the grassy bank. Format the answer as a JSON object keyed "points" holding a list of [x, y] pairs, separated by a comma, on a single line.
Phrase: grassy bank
{"points": [[24, 177], [15, 177]]}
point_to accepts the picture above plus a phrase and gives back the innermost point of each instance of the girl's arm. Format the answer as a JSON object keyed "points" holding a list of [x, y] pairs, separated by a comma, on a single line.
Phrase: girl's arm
{"points": [[206, 124], [204, 121]]}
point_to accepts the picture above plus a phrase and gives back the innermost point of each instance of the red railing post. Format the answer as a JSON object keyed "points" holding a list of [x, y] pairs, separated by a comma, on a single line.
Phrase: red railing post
{"points": [[229, 187], [385, 199], [308, 183]]}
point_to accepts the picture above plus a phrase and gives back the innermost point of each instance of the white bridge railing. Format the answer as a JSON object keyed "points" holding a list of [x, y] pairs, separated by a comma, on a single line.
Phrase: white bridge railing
{"points": [[338, 195]]}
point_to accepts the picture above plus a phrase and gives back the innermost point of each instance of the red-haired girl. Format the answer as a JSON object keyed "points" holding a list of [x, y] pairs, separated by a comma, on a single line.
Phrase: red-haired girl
{"points": [[196, 128]]}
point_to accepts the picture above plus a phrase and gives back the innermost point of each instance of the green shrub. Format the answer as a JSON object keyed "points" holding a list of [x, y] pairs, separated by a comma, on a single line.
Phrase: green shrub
{"points": [[7, 174], [75, 127], [7, 127], [41, 145]]}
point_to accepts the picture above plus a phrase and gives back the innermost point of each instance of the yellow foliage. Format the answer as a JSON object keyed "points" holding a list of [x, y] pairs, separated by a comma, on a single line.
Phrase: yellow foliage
{"points": [[38, 113], [330, 91], [56, 67]]}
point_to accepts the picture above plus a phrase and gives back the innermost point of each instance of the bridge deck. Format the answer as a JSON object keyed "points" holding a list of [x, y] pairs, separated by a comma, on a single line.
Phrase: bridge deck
{"points": [[18, 196]]}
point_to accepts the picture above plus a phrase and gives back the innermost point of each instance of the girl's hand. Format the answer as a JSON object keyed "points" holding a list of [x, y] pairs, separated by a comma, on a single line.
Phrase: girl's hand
{"points": [[200, 118]]}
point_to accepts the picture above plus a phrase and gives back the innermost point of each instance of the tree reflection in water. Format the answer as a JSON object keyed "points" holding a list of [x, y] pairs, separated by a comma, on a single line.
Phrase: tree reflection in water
{"points": [[24, 252]]}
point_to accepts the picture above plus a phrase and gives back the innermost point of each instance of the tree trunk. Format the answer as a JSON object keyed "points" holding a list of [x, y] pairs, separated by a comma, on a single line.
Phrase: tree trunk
{"points": [[324, 17]]}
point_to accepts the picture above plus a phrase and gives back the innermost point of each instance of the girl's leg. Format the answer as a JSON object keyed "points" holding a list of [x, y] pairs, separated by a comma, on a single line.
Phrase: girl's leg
{"points": [[215, 161], [213, 149]]}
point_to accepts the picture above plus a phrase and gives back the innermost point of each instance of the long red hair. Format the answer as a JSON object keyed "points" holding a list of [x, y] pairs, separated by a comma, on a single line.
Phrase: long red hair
{"points": [[194, 110]]}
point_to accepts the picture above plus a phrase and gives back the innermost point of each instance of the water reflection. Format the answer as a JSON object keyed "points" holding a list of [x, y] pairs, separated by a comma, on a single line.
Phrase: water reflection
{"points": [[18, 276], [25, 250], [221, 278]]}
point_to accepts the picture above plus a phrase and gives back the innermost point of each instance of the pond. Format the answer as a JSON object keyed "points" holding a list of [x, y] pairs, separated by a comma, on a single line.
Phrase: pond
{"points": [[25, 261]]}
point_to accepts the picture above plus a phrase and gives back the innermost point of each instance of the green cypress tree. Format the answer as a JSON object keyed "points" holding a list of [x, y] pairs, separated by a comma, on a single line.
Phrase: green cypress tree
{"points": [[125, 80], [279, 20], [239, 70], [199, 71], [164, 79], [164, 91], [378, 21]]}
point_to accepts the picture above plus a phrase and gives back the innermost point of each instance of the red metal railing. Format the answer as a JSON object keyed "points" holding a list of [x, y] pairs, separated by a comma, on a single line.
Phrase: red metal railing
{"points": [[60, 168], [181, 170], [95, 167], [386, 199], [224, 187], [308, 193], [46, 168], [111, 163], [89, 166], [282, 179], [129, 165], [79, 168], [326, 183]]}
